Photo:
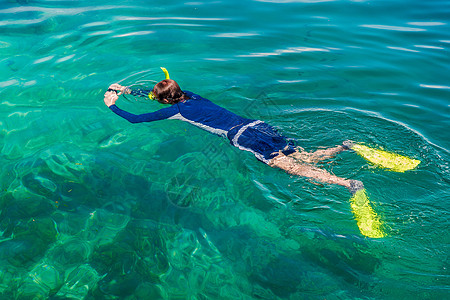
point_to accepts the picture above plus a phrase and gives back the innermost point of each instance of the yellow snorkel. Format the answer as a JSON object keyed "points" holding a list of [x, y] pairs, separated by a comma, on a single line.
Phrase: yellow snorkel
{"points": [[151, 96], [165, 72]]}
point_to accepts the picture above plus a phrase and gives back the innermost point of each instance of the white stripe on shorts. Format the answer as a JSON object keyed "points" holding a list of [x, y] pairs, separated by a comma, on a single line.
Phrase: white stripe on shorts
{"points": [[239, 133]]}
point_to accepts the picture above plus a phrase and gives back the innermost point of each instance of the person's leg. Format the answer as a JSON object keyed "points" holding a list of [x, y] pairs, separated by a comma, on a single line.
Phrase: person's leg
{"points": [[316, 156], [292, 166]]}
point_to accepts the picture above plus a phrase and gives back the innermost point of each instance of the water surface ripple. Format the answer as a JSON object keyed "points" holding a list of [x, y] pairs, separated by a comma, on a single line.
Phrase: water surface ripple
{"points": [[93, 207]]}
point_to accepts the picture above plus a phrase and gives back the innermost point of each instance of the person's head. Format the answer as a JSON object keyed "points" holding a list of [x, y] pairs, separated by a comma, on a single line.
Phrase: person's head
{"points": [[168, 92]]}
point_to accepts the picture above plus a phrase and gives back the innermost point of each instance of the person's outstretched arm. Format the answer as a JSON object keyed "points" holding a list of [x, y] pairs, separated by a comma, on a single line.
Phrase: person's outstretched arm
{"points": [[165, 113], [161, 114]]}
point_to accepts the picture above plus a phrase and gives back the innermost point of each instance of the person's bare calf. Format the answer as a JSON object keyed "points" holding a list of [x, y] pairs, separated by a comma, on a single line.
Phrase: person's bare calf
{"points": [[316, 156], [292, 166]]}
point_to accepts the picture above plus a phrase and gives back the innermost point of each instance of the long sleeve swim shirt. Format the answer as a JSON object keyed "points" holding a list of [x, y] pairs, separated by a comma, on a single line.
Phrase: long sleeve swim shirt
{"points": [[196, 110]]}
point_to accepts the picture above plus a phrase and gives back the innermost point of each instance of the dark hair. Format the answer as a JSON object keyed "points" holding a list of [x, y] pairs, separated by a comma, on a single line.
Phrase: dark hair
{"points": [[168, 90]]}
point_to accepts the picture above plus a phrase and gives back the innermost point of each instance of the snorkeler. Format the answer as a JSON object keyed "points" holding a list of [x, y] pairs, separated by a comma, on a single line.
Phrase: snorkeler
{"points": [[251, 135]]}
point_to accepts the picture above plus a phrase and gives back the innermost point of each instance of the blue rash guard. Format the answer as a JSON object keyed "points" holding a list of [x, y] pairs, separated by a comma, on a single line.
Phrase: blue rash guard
{"points": [[247, 134]]}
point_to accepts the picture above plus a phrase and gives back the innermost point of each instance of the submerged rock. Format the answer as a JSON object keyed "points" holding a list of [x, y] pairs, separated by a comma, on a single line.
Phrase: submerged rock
{"points": [[78, 283]]}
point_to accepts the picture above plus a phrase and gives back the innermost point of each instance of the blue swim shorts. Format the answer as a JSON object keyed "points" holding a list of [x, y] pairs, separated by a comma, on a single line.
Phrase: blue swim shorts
{"points": [[262, 140]]}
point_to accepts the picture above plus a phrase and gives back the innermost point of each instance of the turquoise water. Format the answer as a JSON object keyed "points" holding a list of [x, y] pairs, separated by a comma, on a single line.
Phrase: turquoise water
{"points": [[93, 207]]}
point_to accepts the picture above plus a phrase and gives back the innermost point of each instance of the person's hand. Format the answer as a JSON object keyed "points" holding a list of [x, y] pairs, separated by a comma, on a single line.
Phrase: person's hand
{"points": [[122, 89], [110, 98]]}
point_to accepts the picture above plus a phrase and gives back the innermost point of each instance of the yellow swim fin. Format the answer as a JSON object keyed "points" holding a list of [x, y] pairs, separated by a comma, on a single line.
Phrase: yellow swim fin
{"points": [[385, 159], [366, 218]]}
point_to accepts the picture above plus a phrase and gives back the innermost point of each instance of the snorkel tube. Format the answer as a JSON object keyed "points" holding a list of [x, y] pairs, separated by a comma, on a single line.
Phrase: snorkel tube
{"points": [[151, 96]]}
